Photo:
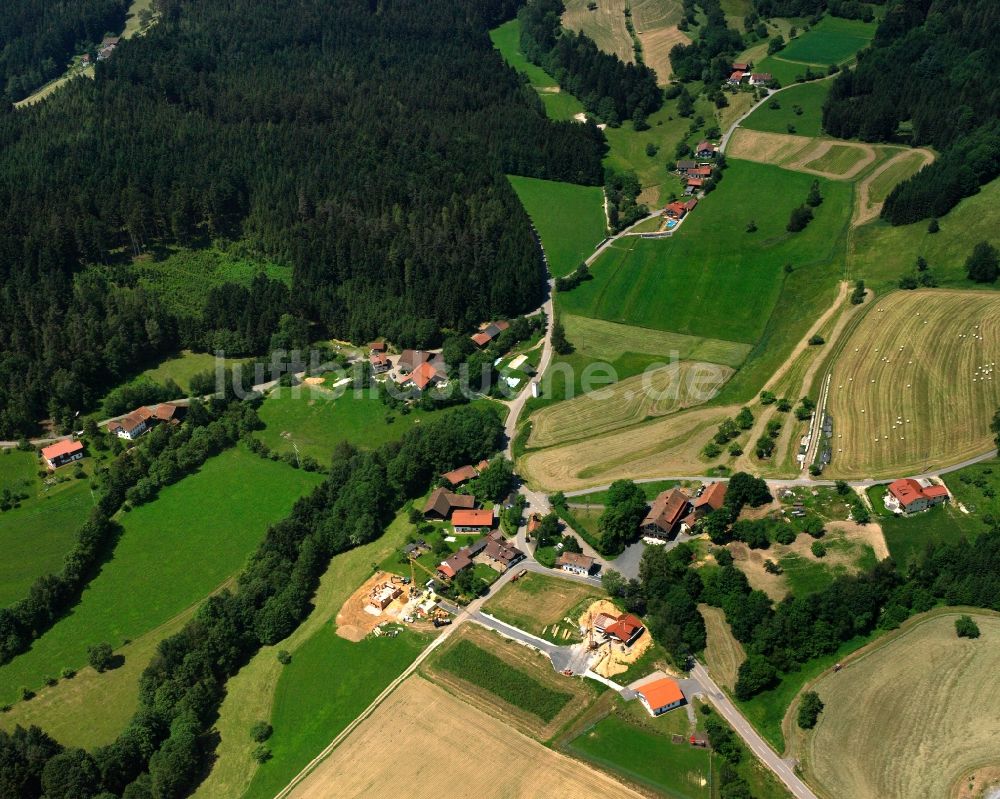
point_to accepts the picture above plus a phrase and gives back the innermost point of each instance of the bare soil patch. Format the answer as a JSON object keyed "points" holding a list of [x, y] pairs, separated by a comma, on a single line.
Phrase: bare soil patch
{"points": [[615, 658], [979, 784], [446, 744], [354, 622]]}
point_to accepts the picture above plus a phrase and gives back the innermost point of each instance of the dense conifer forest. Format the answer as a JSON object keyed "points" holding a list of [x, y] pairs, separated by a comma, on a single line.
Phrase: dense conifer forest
{"points": [[928, 71], [363, 143], [37, 38]]}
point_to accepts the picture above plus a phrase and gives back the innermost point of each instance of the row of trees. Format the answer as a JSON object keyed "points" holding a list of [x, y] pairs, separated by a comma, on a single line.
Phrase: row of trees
{"points": [[407, 225], [167, 454], [607, 87], [164, 749], [709, 57], [919, 72]]}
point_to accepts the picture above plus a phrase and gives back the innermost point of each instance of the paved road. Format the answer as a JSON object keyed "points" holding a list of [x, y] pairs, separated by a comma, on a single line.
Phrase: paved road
{"points": [[745, 730]]}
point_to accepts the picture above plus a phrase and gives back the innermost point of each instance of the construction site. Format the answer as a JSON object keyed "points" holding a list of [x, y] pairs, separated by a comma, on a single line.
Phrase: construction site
{"points": [[617, 639], [387, 598]]}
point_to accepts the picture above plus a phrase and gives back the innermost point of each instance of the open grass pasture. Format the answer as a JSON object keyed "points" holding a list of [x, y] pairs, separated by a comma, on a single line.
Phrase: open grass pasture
{"points": [[655, 393], [832, 40], [881, 253], [699, 281], [542, 605], [642, 753], [807, 97], [914, 388], [313, 421], [445, 743], [927, 703], [569, 219], [328, 683], [173, 552], [909, 536], [35, 538]]}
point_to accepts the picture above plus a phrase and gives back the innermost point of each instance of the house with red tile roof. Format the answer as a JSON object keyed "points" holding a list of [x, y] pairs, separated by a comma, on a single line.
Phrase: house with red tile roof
{"points": [[472, 521], [62, 452], [659, 696], [488, 331], [132, 425], [424, 376], [911, 496], [665, 515], [461, 475], [737, 77], [379, 362], [711, 498], [760, 78]]}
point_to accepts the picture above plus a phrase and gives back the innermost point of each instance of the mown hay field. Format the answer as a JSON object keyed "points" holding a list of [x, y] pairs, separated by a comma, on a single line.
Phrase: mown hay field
{"points": [[916, 385], [173, 552], [569, 219], [723, 653], [821, 157], [440, 733], [656, 392], [912, 715], [605, 25], [669, 446], [656, 26]]}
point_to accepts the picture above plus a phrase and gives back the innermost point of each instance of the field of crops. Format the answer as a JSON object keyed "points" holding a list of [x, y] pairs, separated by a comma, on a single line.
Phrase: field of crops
{"points": [[925, 701], [655, 393], [484, 669], [569, 219], [698, 282], [821, 157], [173, 552], [915, 386]]}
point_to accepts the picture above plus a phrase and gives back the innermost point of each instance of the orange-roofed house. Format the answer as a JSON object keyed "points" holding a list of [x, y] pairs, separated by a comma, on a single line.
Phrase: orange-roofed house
{"points": [[62, 452], [626, 629], [665, 515], [460, 475], [676, 210], [661, 695], [911, 496], [737, 77], [472, 521], [701, 172], [132, 425], [423, 376], [712, 498]]}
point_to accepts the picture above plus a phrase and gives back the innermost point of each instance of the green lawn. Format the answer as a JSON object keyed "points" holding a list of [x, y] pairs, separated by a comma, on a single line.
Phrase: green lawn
{"points": [[647, 756], [809, 97], [182, 278], [328, 683], [173, 553], [36, 537], [882, 253], [908, 537], [832, 40], [507, 39], [569, 219], [649, 489], [181, 368], [713, 278], [807, 575], [313, 422], [839, 159]]}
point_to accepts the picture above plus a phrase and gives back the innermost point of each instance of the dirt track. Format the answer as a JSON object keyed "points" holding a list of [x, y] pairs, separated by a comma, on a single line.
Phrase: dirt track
{"points": [[425, 743], [864, 211]]}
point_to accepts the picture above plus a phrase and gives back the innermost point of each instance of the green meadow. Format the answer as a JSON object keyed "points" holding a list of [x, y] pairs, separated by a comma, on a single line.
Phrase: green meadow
{"points": [[808, 97], [173, 552], [882, 253], [832, 40], [507, 39], [713, 278], [569, 219], [328, 683]]}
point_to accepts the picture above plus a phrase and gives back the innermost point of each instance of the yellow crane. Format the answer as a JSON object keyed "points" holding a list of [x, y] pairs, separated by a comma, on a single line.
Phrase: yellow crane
{"points": [[413, 577]]}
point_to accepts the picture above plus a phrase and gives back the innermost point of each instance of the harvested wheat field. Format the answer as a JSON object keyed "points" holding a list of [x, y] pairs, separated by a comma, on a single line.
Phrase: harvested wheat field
{"points": [[663, 447], [911, 715], [821, 157], [656, 47], [605, 25], [723, 653], [434, 740], [635, 399], [916, 385]]}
